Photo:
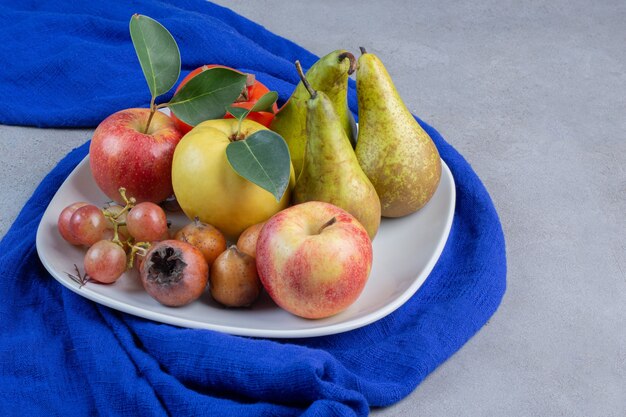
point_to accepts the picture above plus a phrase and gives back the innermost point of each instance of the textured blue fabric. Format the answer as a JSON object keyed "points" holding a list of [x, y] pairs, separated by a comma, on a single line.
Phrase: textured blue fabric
{"points": [[72, 64]]}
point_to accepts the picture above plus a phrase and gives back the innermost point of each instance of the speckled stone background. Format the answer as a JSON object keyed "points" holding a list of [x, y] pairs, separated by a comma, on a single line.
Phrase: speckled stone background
{"points": [[533, 94]]}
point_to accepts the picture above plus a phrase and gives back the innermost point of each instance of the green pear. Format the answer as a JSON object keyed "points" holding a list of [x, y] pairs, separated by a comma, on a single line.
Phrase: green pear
{"points": [[330, 171], [394, 151], [329, 74]]}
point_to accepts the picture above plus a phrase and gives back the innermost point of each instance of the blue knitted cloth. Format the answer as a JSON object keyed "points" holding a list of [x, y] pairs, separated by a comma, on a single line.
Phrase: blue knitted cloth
{"points": [[72, 64]]}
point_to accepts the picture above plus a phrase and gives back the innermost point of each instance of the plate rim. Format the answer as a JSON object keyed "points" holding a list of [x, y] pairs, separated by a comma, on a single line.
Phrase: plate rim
{"points": [[323, 330]]}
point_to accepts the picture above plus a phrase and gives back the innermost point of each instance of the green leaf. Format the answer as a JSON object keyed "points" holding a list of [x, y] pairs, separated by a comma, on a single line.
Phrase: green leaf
{"points": [[238, 112], [207, 95], [265, 103], [158, 53], [262, 158]]}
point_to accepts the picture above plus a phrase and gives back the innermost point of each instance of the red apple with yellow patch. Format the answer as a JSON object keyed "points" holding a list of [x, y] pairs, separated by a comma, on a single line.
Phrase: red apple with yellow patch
{"points": [[314, 259], [123, 154]]}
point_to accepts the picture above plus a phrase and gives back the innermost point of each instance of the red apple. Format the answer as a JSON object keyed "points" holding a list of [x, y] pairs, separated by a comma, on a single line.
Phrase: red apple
{"points": [[122, 155], [313, 259]]}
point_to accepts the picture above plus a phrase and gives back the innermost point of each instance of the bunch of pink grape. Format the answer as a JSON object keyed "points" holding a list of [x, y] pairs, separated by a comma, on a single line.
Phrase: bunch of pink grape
{"points": [[113, 234], [174, 270]]}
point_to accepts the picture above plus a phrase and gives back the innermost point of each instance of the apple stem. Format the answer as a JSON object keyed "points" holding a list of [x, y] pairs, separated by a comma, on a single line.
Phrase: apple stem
{"points": [[152, 111], [328, 223], [310, 89]]}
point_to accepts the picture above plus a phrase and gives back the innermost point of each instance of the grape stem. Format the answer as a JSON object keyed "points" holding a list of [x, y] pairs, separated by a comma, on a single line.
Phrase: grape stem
{"points": [[140, 248], [130, 203], [80, 279]]}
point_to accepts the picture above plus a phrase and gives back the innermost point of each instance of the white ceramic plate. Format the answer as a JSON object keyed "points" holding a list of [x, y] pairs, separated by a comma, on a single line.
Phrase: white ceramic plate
{"points": [[405, 251]]}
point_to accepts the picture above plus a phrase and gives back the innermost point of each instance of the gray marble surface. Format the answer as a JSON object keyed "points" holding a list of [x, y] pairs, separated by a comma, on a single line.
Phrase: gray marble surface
{"points": [[533, 94]]}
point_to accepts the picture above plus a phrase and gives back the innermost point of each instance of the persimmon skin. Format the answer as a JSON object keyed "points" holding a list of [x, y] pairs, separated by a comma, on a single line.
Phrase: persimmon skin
{"points": [[174, 273]]}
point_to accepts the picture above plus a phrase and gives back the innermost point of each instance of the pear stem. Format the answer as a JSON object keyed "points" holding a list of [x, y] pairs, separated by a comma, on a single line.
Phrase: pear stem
{"points": [[310, 89], [363, 51], [352, 59], [328, 223]]}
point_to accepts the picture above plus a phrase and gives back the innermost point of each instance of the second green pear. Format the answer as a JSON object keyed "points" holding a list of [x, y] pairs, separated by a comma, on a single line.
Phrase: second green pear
{"points": [[331, 172], [397, 155], [330, 75]]}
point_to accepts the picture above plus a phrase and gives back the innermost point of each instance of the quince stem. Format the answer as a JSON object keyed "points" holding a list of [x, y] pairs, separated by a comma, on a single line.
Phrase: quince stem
{"points": [[239, 128]]}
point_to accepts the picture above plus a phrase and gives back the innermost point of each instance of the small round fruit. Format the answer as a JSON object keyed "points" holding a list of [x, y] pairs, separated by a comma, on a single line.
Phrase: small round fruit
{"points": [[205, 237], [87, 225], [105, 261], [234, 281], [147, 222], [63, 223], [174, 273], [247, 240]]}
